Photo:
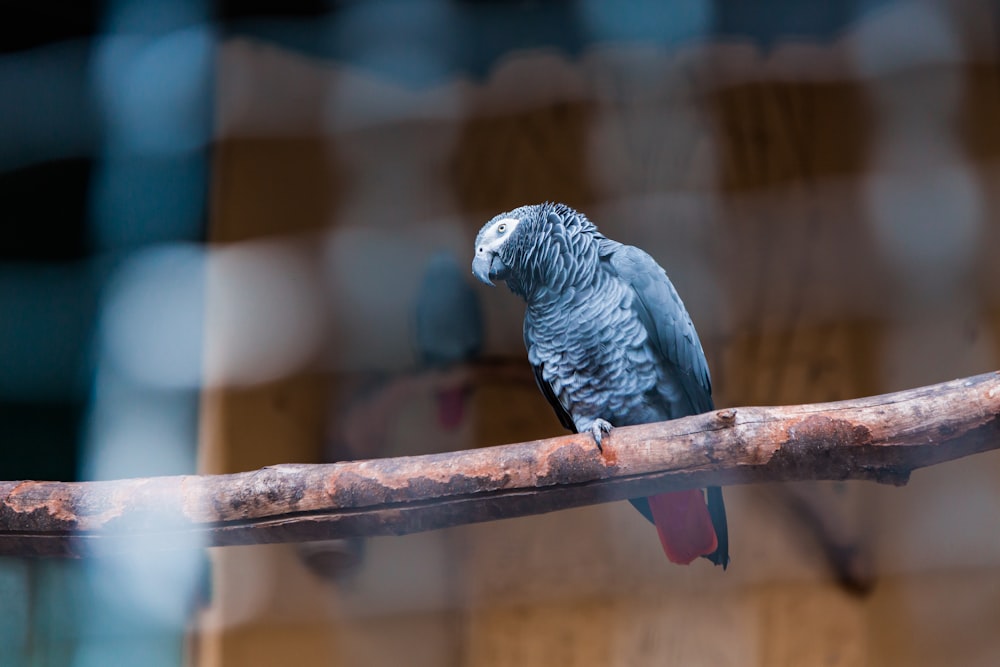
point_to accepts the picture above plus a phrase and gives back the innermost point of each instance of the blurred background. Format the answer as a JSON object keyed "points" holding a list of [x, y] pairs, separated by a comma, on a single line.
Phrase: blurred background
{"points": [[238, 234]]}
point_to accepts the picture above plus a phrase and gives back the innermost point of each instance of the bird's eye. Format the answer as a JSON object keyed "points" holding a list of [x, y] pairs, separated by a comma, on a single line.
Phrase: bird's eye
{"points": [[501, 228]]}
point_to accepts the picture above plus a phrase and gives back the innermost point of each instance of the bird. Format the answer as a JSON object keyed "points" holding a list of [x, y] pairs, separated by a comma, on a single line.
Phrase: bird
{"points": [[447, 330], [610, 344]]}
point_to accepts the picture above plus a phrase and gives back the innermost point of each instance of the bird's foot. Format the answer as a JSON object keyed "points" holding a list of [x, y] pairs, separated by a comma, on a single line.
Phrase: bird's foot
{"points": [[598, 429]]}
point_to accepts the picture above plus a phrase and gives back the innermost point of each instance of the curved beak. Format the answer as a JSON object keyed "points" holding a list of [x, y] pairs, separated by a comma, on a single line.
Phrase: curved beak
{"points": [[487, 266], [481, 267]]}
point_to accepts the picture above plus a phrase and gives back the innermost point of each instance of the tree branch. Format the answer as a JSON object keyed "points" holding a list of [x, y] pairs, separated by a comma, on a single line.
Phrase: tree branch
{"points": [[880, 438]]}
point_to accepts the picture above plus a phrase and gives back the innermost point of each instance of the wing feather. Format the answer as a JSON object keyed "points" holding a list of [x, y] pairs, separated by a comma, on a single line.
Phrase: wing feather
{"points": [[667, 322], [675, 340]]}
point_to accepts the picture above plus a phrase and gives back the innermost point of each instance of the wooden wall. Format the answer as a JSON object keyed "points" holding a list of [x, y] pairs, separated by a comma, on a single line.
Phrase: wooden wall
{"points": [[757, 185]]}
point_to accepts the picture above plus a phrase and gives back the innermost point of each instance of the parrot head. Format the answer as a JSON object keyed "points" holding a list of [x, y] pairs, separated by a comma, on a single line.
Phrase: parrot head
{"points": [[494, 250], [531, 247]]}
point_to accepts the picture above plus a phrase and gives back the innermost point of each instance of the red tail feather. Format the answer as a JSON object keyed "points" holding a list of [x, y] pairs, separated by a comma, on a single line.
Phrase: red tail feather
{"points": [[451, 408], [684, 525]]}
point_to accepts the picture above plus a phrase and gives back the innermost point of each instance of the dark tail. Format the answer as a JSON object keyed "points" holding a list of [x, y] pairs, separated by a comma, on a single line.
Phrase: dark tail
{"points": [[717, 510]]}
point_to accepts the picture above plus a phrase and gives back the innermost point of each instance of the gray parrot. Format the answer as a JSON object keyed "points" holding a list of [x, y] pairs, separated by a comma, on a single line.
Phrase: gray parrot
{"points": [[447, 329], [611, 344]]}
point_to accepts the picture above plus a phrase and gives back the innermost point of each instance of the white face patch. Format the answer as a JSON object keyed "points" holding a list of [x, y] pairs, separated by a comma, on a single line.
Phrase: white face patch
{"points": [[497, 234]]}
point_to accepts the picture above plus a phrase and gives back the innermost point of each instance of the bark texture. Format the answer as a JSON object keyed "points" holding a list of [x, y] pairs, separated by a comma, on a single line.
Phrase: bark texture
{"points": [[881, 438]]}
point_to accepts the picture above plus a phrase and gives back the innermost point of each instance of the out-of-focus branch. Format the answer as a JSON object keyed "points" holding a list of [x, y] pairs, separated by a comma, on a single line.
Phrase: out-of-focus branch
{"points": [[881, 438]]}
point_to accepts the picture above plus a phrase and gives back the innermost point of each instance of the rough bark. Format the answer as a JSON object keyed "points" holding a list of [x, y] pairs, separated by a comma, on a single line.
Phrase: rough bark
{"points": [[881, 438]]}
